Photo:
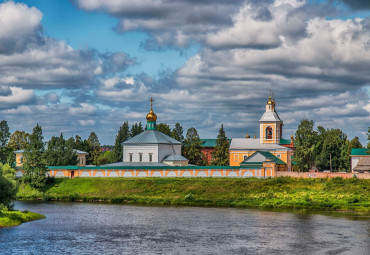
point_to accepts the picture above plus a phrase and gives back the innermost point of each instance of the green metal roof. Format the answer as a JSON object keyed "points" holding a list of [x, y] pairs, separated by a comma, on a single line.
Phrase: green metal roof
{"points": [[284, 141], [359, 152], [267, 155], [210, 142]]}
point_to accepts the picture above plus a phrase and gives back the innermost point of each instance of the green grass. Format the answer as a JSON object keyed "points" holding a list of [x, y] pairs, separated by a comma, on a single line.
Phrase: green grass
{"points": [[14, 218], [329, 194]]}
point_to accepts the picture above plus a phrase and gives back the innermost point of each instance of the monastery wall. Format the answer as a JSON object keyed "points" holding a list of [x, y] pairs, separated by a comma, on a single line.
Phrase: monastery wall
{"points": [[320, 175]]}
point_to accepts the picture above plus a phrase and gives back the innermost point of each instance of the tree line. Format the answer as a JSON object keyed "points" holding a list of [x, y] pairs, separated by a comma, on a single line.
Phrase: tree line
{"points": [[324, 149]]}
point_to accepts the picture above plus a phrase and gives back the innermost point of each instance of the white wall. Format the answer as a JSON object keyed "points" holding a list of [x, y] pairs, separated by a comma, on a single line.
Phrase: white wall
{"points": [[167, 149], [354, 162], [145, 149]]}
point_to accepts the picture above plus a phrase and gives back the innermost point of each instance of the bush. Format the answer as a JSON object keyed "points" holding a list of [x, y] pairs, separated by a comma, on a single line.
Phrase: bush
{"points": [[189, 197]]}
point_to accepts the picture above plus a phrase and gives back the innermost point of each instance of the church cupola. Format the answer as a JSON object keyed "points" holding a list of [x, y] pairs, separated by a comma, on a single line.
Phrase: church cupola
{"points": [[270, 105], [151, 118]]}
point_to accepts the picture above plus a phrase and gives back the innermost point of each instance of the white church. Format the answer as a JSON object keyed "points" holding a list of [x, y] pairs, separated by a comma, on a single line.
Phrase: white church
{"points": [[151, 147]]}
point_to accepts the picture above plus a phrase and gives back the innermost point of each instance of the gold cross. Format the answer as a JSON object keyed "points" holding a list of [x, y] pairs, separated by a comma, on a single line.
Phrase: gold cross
{"points": [[151, 103]]}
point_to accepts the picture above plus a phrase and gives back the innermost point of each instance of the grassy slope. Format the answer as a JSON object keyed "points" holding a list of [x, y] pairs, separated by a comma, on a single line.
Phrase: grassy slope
{"points": [[337, 193], [14, 218]]}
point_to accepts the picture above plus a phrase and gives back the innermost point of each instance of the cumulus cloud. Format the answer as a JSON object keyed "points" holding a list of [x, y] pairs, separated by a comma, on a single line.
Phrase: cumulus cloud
{"points": [[15, 96]]}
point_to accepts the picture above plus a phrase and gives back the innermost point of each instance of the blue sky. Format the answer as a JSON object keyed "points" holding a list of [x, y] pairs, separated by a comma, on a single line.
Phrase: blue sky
{"points": [[80, 66]]}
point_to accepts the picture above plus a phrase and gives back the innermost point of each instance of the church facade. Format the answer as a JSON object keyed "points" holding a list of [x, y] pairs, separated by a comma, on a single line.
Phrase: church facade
{"points": [[269, 152]]}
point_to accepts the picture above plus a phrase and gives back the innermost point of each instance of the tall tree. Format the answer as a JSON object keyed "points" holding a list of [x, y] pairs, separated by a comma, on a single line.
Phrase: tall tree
{"points": [[4, 138], [82, 145], [220, 156], [122, 136], [19, 140], [355, 143], [305, 140], [164, 128], [192, 148], [331, 153], [60, 152], [34, 159], [94, 151], [136, 129], [8, 187], [178, 133], [368, 139]]}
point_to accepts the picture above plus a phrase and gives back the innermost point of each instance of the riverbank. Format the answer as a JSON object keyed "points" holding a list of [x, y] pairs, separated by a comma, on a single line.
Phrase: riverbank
{"points": [[15, 218], [327, 194]]}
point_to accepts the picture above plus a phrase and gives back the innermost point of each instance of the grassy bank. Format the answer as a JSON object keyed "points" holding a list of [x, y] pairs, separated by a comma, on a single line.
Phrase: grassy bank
{"points": [[14, 218], [328, 194]]}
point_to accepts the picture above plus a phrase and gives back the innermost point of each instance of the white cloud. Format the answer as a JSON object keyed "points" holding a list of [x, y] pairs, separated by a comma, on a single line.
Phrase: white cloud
{"points": [[83, 109]]}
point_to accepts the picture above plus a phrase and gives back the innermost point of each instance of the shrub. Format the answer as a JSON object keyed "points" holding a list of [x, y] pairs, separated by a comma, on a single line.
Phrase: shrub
{"points": [[189, 197]]}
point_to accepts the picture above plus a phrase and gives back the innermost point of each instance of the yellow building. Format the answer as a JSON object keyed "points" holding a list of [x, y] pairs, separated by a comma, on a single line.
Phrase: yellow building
{"points": [[81, 158], [257, 153]]}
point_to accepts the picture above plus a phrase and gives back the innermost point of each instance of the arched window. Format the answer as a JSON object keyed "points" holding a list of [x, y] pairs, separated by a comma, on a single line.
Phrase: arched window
{"points": [[269, 133]]}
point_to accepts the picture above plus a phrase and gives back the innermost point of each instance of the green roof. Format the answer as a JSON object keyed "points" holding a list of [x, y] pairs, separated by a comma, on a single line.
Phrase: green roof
{"points": [[267, 155], [359, 152], [284, 141], [210, 142]]}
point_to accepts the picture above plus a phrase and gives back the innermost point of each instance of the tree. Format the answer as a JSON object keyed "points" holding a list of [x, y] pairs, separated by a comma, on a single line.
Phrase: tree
{"points": [[34, 160], [305, 141], [106, 158], [192, 148], [60, 152], [4, 138], [178, 133], [122, 136], [82, 145], [333, 150], [19, 140], [164, 128], [8, 187], [355, 143], [368, 139], [94, 148], [136, 129], [220, 156]]}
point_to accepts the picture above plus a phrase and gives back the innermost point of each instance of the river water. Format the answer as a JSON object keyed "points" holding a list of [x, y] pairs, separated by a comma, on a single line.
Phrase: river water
{"points": [[86, 228]]}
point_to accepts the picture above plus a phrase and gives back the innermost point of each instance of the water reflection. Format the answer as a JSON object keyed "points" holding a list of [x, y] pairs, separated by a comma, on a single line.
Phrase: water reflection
{"points": [[82, 228]]}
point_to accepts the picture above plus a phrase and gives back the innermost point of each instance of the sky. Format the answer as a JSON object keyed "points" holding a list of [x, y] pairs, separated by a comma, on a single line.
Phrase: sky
{"points": [[89, 65]]}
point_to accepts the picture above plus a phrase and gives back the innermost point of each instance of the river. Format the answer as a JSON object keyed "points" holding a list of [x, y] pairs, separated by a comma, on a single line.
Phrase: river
{"points": [[86, 228]]}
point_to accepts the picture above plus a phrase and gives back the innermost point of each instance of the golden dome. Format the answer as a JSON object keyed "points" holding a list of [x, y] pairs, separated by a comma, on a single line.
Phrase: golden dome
{"points": [[270, 101], [151, 116]]}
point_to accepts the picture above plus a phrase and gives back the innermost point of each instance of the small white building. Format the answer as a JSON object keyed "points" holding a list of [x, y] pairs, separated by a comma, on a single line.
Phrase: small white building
{"points": [[360, 160]]}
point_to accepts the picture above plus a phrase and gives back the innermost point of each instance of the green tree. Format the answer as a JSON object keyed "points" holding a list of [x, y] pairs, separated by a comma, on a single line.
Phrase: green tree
{"points": [[136, 129], [19, 140], [305, 141], [122, 136], [60, 152], [178, 133], [164, 128], [220, 156], [8, 187], [4, 138], [94, 148], [192, 148], [355, 143], [106, 158], [334, 150], [82, 145], [368, 139], [34, 160]]}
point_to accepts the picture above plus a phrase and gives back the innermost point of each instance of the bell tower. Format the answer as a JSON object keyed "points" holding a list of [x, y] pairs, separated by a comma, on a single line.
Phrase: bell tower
{"points": [[271, 126]]}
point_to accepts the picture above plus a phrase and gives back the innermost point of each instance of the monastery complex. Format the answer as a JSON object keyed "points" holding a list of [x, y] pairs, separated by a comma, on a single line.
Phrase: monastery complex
{"points": [[154, 154]]}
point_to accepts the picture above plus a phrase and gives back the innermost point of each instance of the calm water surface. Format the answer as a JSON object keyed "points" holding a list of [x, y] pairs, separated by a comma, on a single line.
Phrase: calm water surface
{"points": [[83, 228]]}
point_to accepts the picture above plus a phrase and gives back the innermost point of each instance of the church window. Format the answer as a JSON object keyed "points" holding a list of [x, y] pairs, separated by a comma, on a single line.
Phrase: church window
{"points": [[278, 155], [269, 133], [140, 157], [245, 157], [130, 157], [150, 157]]}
